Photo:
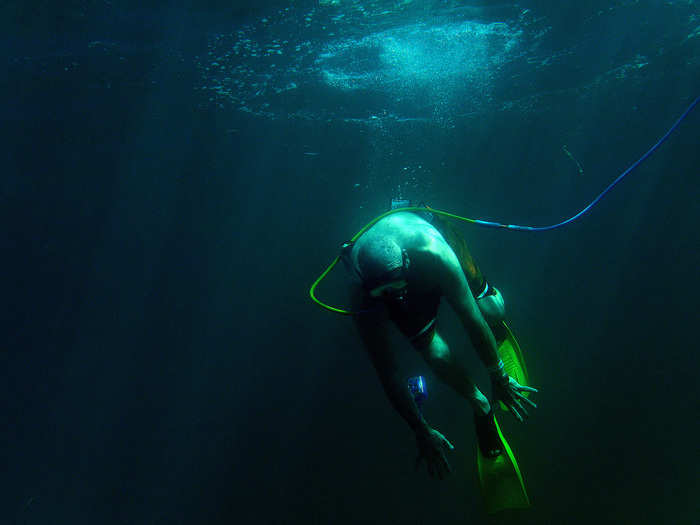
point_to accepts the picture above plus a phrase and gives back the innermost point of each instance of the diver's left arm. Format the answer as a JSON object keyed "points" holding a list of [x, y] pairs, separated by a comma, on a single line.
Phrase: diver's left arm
{"points": [[456, 289]]}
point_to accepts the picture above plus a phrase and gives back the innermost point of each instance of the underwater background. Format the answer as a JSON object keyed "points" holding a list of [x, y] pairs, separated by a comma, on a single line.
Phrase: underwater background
{"points": [[176, 174]]}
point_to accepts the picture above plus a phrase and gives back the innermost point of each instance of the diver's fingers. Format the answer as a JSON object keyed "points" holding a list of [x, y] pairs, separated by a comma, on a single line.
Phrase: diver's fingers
{"points": [[515, 412], [521, 408], [444, 467], [523, 398], [445, 471], [527, 388], [443, 462]]}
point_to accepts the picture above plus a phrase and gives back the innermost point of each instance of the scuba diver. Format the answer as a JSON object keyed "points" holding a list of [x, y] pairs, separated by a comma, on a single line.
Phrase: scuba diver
{"points": [[405, 265]]}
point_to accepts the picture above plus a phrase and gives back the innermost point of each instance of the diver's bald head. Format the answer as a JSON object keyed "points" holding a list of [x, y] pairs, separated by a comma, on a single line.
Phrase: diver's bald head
{"points": [[377, 259]]}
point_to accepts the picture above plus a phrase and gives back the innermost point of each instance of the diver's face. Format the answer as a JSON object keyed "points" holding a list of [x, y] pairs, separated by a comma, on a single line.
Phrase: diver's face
{"points": [[392, 290]]}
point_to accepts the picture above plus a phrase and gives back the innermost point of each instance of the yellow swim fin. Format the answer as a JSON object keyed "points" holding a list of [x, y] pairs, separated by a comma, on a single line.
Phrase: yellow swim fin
{"points": [[509, 351], [501, 482]]}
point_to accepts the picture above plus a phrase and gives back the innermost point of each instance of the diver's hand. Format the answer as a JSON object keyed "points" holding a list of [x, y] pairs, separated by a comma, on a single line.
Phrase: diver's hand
{"points": [[431, 449], [509, 391]]}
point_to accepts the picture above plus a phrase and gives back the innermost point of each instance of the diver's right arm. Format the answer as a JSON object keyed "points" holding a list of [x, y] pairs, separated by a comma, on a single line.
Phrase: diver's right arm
{"points": [[431, 443], [384, 362]]}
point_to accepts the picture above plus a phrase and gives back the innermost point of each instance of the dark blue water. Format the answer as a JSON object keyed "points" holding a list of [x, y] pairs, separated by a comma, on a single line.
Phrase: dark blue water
{"points": [[176, 175]]}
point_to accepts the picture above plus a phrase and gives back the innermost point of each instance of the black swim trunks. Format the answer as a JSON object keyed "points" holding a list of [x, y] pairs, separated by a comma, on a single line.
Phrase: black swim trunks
{"points": [[415, 316]]}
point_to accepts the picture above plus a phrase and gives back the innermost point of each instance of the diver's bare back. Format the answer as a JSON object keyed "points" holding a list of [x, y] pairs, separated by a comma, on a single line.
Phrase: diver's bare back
{"points": [[410, 231], [421, 240]]}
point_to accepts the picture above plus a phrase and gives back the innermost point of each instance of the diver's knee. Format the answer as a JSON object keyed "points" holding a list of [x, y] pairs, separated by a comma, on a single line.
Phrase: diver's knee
{"points": [[437, 353], [492, 307]]}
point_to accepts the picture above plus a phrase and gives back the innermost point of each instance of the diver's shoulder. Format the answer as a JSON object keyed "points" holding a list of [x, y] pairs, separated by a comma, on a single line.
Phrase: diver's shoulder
{"points": [[403, 219], [409, 229]]}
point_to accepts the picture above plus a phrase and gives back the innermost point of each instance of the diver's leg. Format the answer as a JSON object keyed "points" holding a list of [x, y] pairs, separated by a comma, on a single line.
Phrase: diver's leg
{"points": [[372, 327], [452, 371], [493, 309]]}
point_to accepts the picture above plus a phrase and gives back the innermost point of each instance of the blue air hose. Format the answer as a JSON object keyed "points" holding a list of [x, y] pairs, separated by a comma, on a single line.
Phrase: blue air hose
{"points": [[602, 194]]}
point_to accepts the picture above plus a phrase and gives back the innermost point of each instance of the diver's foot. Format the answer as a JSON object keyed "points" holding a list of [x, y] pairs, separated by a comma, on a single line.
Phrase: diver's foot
{"points": [[487, 435]]}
